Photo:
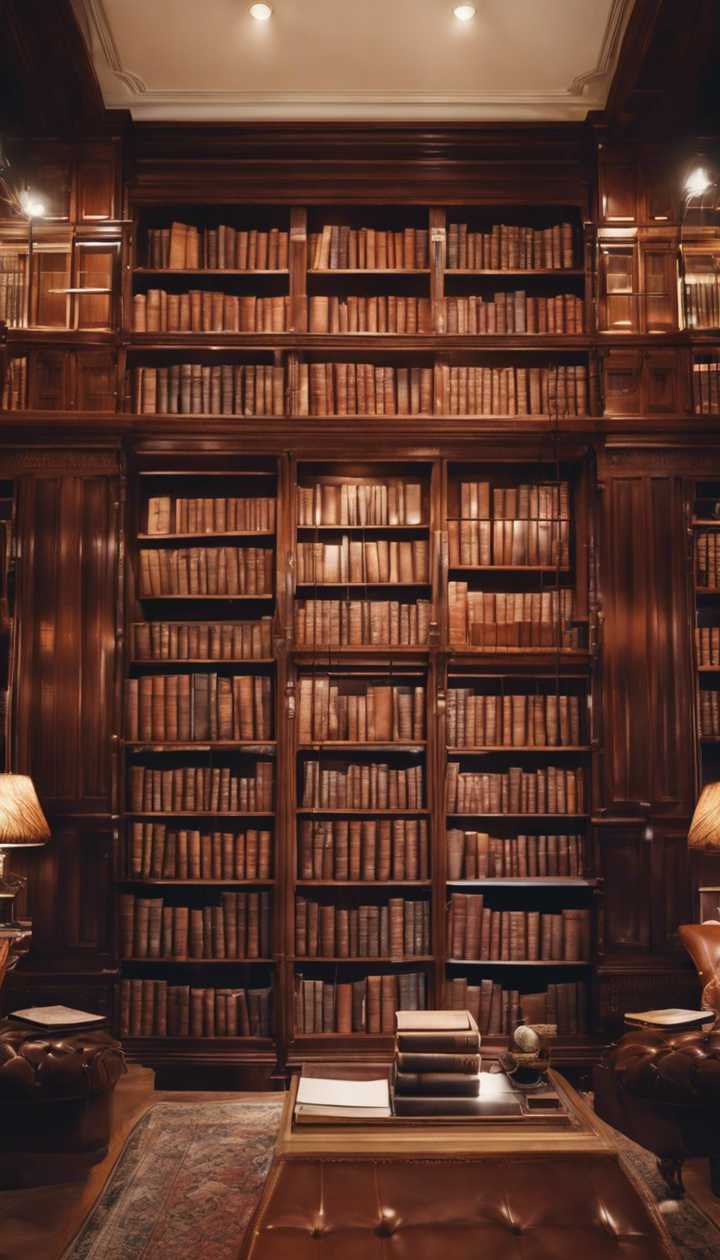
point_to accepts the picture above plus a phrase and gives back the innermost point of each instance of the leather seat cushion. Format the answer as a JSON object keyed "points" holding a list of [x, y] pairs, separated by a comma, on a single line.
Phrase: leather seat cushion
{"points": [[78, 1066]]}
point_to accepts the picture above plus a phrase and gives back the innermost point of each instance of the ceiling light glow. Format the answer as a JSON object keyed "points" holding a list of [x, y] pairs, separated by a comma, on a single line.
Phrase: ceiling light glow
{"points": [[697, 182], [464, 12], [33, 208], [261, 12]]}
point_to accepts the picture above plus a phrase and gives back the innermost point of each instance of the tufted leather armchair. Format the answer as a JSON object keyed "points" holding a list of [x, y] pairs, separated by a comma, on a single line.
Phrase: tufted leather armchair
{"points": [[702, 942]]}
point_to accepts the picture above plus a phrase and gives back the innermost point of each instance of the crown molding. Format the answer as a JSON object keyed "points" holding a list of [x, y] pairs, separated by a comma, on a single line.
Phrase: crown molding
{"points": [[588, 91]]}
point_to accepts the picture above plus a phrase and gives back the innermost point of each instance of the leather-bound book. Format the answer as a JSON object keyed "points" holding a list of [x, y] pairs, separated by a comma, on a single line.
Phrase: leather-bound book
{"points": [[437, 1083], [374, 1004], [417, 1061], [343, 1007], [388, 1002]]}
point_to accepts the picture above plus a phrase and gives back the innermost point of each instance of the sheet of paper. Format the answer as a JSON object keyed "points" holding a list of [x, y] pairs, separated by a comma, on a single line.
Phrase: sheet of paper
{"points": [[323, 1092]]}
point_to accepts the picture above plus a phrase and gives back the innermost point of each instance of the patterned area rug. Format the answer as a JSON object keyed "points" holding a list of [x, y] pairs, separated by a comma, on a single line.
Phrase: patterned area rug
{"points": [[191, 1173]]}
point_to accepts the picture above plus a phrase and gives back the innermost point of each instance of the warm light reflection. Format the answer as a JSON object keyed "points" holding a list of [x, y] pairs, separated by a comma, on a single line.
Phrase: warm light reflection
{"points": [[697, 182], [261, 12], [464, 12]]}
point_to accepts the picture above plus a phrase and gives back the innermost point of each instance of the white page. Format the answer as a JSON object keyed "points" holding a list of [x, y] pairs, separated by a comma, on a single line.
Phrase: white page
{"points": [[324, 1092]]}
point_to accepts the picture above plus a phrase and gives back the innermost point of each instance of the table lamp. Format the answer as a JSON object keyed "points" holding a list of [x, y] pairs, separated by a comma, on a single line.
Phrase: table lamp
{"points": [[704, 830], [22, 824]]}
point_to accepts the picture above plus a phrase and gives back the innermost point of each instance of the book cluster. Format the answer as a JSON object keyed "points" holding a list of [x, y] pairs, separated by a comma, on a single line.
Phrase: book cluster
{"points": [[709, 712], [511, 525], [395, 930], [206, 310], [707, 641], [361, 785], [193, 389], [354, 622], [154, 1008], [707, 559], [206, 570], [477, 855], [339, 246], [364, 389], [172, 707], [390, 502], [702, 300], [184, 247], [389, 313], [496, 619], [12, 289], [511, 721], [548, 790], [366, 1005], [370, 849], [388, 560], [236, 926], [477, 932], [499, 1011], [364, 712], [169, 515], [557, 391], [511, 312], [201, 789], [202, 640], [436, 1066], [706, 386], [510, 247], [157, 852], [14, 395]]}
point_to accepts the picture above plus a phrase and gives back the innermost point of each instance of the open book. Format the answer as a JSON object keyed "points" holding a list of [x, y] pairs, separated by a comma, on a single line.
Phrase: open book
{"points": [[320, 1096]]}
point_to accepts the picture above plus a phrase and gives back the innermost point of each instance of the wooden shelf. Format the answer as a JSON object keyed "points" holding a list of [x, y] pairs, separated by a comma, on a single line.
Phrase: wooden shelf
{"points": [[422, 527], [209, 272], [362, 586], [144, 596], [338, 812], [483, 749], [398, 745], [201, 813], [198, 883], [510, 568], [189, 745], [175, 661], [204, 962], [516, 962], [364, 959], [207, 535], [554, 817], [508, 273], [363, 883], [529, 882]]}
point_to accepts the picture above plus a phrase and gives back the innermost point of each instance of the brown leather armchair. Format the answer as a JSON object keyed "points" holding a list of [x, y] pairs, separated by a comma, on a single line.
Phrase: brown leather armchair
{"points": [[662, 1089]]}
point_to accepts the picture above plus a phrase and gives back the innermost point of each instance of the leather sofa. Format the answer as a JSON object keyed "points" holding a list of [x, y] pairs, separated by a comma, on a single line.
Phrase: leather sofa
{"points": [[55, 1098]]}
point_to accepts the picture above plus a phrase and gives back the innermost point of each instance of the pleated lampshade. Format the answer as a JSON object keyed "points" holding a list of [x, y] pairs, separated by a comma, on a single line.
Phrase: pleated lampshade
{"points": [[22, 821], [704, 830]]}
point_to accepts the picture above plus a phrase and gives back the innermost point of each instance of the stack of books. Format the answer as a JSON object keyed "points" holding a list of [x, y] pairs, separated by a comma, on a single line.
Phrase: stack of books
{"points": [[437, 1063]]}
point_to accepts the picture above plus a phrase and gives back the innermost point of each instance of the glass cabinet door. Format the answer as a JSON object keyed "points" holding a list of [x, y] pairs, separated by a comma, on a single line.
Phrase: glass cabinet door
{"points": [[619, 291]]}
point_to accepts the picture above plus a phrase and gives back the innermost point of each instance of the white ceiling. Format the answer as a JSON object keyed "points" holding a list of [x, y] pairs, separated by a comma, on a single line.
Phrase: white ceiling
{"points": [[355, 59]]}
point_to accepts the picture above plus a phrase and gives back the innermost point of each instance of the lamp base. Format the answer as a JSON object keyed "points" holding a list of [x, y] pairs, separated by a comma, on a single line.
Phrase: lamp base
{"points": [[7, 905]]}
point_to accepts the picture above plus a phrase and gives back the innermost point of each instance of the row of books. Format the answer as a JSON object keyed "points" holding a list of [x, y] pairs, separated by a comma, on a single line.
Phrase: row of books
{"points": [[477, 855], [389, 502], [205, 310], [512, 312], [238, 926], [548, 790], [510, 247], [509, 542], [368, 849], [353, 622], [514, 721], [511, 619], [154, 1008], [707, 558], [559, 390], [706, 387], [196, 789], [498, 1011], [202, 640], [168, 514], [184, 247], [13, 289], [476, 931], [366, 1005], [14, 395], [709, 712], [529, 501], [397, 929], [707, 641], [387, 313], [358, 711], [364, 389], [366, 248], [361, 785], [702, 301], [356, 560], [172, 707], [157, 852], [191, 389], [206, 570]]}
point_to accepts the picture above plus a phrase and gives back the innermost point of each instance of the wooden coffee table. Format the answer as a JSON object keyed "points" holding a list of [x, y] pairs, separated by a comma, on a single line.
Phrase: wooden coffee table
{"points": [[459, 1186]]}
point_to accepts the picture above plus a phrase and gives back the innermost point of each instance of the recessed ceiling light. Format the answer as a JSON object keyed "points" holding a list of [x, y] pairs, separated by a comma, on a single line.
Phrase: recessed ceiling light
{"points": [[261, 12], [464, 12], [697, 182], [33, 208]]}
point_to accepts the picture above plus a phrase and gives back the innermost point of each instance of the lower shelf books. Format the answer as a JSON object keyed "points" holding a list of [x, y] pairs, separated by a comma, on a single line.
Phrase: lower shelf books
{"points": [[707, 559], [549, 790], [367, 849], [14, 396], [235, 926], [158, 853], [361, 785], [177, 514], [476, 931], [499, 1011], [357, 560], [358, 1006], [206, 570], [154, 1008], [709, 712], [493, 619], [199, 706], [477, 855], [351, 622], [331, 709], [202, 640], [205, 310], [707, 642], [706, 387], [201, 788], [514, 720], [560, 390], [398, 929], [191, 389]]}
